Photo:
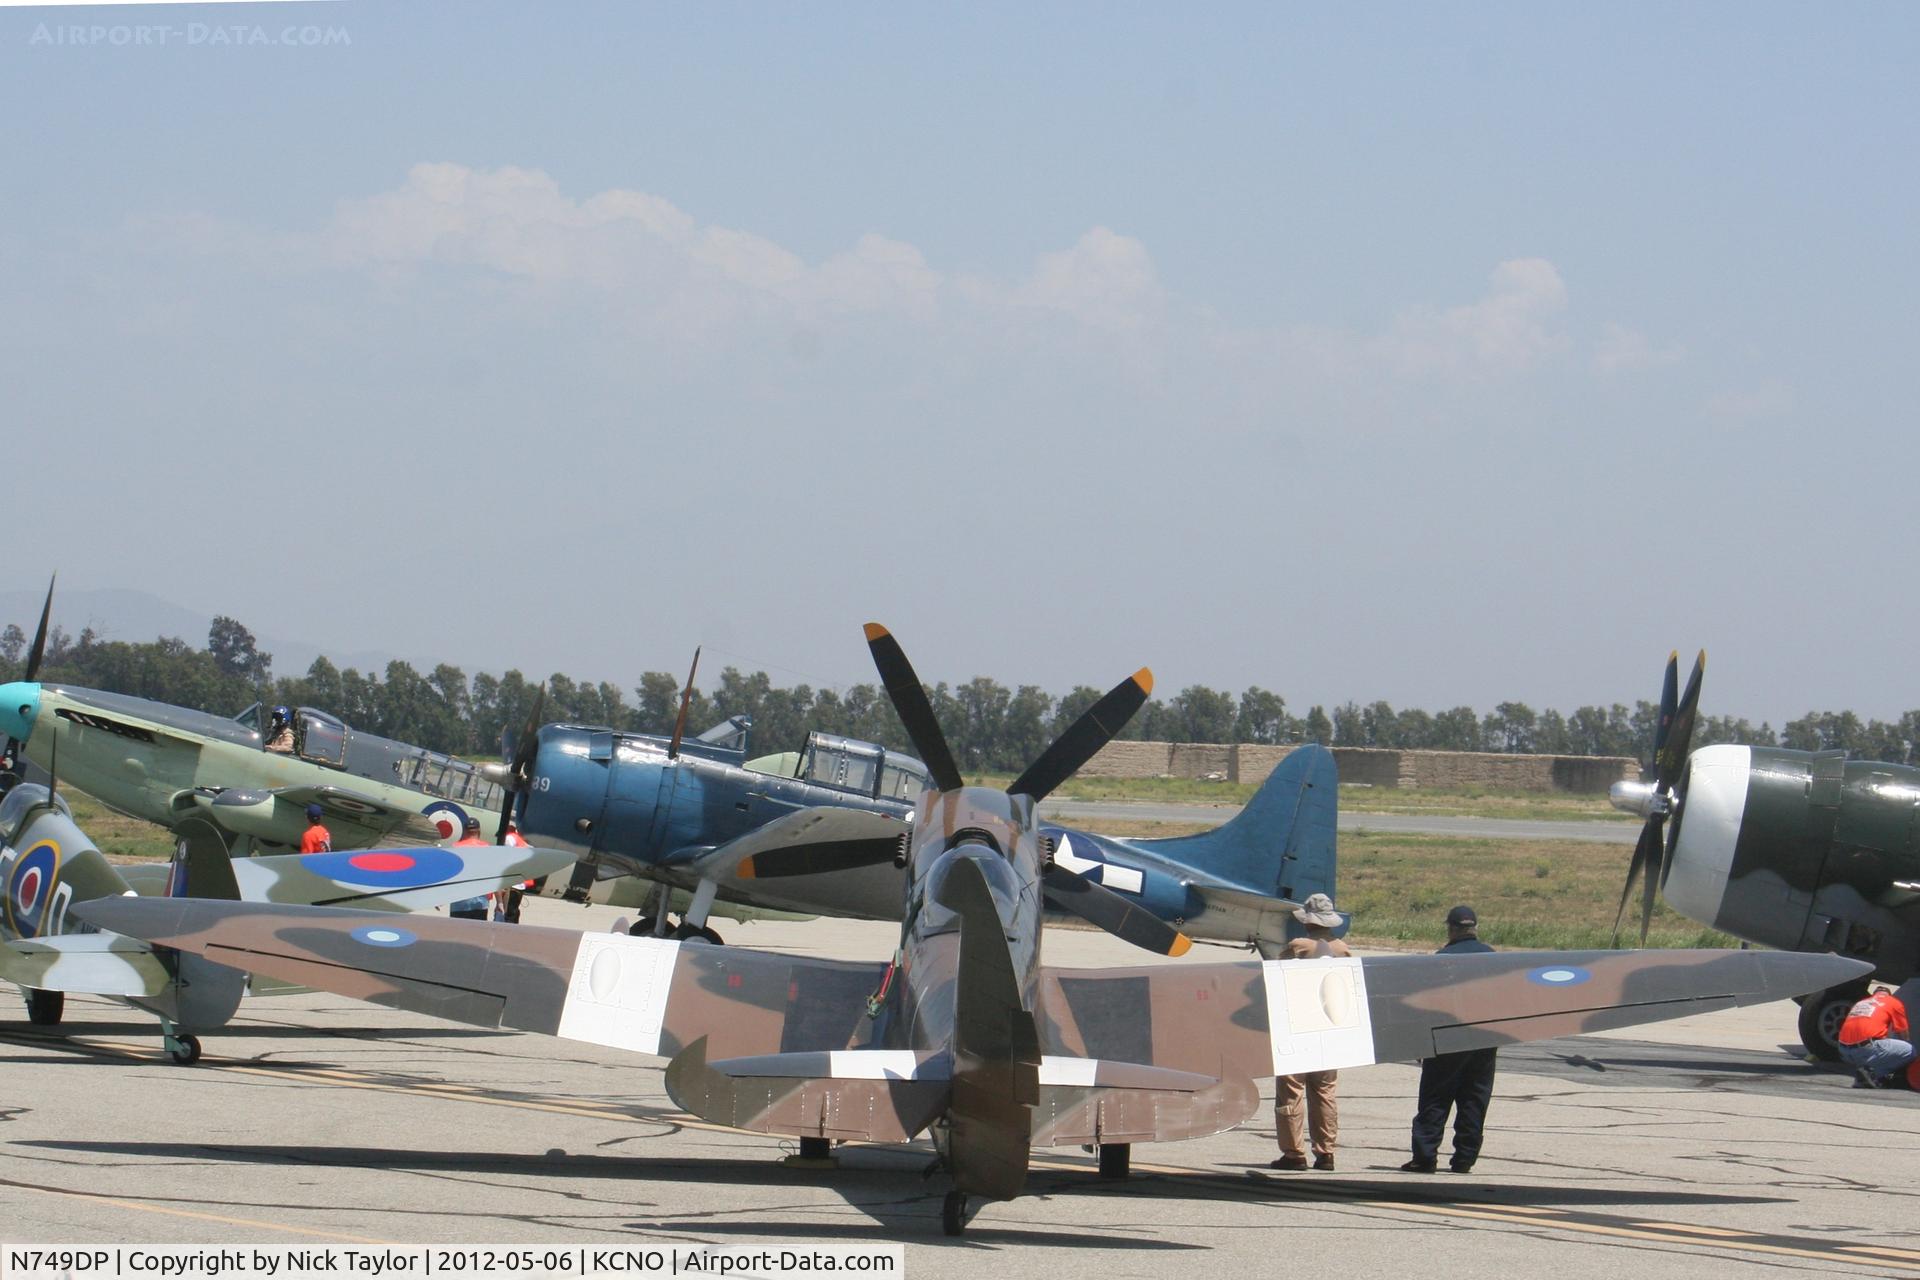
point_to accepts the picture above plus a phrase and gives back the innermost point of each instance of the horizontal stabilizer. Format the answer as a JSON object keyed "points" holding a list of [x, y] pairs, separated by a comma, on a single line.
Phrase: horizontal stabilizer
{"points": [[97, 964], [778, 1093]]}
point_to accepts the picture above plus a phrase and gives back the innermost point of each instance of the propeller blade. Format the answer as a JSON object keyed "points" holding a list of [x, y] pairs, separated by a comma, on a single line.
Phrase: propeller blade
{"points": [[1669, 702], [1649, 836], [1099, 905], [1084, 737], [686, 700], [1650, 887], [39, 649], [813, 860], [520, 770], [916, 713], [1672, 756]]}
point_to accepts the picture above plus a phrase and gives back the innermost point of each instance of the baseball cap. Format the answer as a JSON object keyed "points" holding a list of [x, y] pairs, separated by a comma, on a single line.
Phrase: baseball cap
{"points": [[473, 824], [1461, 917], [314, 811]]}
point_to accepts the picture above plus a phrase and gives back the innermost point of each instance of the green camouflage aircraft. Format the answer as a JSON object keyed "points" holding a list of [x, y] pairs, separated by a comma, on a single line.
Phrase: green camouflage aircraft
{"points": [[170, 765], [966, 1034], [48, 864], [1800, 850]]}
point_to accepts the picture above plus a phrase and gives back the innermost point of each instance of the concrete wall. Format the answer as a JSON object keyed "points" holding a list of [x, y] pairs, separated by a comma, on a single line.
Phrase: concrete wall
{"points": [[1448, 770]]}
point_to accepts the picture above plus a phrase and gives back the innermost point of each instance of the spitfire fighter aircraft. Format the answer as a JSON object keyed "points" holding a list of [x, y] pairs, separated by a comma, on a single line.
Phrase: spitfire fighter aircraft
{"points": [[171, 765], [1800, 850], [824, 831], [966, 1034], [48, 864]]}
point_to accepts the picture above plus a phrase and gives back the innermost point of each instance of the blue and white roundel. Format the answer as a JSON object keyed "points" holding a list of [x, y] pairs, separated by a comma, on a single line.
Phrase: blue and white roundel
{"points": [[382, 935], [387, 868], [1558, 975], [30, 887], [447, 817]]}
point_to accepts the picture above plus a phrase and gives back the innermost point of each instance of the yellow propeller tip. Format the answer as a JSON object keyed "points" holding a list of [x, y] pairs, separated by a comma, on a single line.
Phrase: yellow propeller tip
{"points": [[1181, 945], [1144, 678], [875, 632], [744, 871]]}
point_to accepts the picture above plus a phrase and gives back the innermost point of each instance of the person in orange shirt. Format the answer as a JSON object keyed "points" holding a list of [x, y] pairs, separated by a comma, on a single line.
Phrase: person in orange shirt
{"points": [[1873, 1039], [470, 908], [317, 838]]}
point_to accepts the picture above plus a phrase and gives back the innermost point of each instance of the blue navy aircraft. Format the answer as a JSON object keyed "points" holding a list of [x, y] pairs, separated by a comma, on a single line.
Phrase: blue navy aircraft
{"points": [[824, 830]]}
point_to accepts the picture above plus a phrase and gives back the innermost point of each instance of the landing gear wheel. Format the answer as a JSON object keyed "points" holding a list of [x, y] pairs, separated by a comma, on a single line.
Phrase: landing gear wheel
{"points": [[953, 1214], [184, 1049], [641, 928], [45, 1008], [816, 1149], [1821, 1015], [1116, 1159], [696, 933]]}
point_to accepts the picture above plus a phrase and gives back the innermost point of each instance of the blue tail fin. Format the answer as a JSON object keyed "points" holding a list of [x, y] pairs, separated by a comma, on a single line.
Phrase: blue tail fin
{"points": [[1282, 843]]}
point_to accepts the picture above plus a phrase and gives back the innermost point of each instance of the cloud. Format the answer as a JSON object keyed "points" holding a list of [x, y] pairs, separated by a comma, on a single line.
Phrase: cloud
{"points": [[1623, 350], [1513, 328], [1105, 280]]}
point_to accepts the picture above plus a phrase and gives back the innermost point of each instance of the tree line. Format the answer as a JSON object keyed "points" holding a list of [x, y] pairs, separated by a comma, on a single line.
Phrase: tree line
{"points": [[989, 726]]}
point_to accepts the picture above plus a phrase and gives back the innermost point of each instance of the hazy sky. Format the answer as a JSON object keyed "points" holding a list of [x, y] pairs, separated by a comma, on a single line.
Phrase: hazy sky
{"points": [[1436, 354]]}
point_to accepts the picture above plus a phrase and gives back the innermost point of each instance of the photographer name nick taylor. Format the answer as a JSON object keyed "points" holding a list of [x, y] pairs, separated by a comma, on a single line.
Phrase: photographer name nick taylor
{"points": [[206, 34]]}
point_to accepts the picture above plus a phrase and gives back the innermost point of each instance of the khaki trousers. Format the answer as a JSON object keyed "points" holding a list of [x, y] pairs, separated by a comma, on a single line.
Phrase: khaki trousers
{"points": [[1306, 1102]]}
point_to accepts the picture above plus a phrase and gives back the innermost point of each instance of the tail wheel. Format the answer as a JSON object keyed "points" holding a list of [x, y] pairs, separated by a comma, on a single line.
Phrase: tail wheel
{"points": [[184, 1049], [953, 1214], [1116, 1159], [46, 1008], [1821, 1015]]}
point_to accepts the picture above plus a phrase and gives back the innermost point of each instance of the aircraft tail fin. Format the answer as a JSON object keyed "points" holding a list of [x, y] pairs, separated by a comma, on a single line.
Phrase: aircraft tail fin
{"points": [[202, 864], [1283, 842]]}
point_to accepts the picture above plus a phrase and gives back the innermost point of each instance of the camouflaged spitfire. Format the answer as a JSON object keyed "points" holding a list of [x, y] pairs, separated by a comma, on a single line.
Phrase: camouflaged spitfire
{"points": [[49, 865], [967, 1035]]}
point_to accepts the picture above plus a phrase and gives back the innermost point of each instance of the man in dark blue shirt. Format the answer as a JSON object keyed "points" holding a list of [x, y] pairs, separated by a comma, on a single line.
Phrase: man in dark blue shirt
{"points": [[1461, 1082]]}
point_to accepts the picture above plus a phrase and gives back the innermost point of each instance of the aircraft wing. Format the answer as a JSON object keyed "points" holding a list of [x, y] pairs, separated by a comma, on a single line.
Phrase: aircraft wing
{"points": [[1284, 1017], [97, 964], [393, 879], [826, 859], [649, 995], [346, 805]]}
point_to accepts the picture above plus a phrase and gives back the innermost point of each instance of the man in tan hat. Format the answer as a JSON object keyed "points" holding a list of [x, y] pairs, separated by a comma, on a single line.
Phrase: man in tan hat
{"points": [[1307, 1101]]}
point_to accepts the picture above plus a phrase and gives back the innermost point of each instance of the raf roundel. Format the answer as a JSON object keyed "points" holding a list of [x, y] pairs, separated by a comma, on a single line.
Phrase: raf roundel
{"points": [[381, 935], [448, 819], [387, 868], [1558, 975], [29, 887]]}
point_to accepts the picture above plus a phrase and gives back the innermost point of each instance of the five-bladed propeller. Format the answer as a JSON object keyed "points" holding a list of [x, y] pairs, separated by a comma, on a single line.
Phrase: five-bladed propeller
{"points": [[1066, 890], [11, 752], [1670, 742]]}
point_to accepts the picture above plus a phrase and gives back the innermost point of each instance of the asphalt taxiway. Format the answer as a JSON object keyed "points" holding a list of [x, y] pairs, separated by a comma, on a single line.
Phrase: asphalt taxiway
{"points": [[1698, 1148]]}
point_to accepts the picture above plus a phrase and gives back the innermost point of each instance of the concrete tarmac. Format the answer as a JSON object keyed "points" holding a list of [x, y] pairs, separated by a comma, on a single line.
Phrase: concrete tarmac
{"points": [[1091, 813], [1690, 1149]]}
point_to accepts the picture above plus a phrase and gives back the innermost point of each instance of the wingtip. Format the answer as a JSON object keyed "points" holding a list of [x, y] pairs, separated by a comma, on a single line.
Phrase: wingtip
{"points": [[1144, 678], [875, 632]]}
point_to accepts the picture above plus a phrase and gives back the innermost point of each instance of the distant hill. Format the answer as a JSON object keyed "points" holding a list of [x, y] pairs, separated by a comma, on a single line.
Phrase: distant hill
{"points": [[117, 613]]}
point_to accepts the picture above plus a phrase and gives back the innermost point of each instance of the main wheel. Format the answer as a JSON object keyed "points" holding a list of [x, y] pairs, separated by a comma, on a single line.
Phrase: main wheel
{"points": [[1116, 1158], [184, 1049], [953, 1214], [696, 933], [1821, 1015], [45, 1008], [641, 928]]}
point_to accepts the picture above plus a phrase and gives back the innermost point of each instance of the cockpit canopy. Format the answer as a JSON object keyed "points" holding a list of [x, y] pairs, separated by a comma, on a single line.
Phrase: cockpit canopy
{"points": [[22, 798], [848, 764]]}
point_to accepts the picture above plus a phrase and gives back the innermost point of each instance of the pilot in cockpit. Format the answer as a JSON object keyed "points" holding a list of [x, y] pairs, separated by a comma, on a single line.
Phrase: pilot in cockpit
{"points": [[280, 732]]}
